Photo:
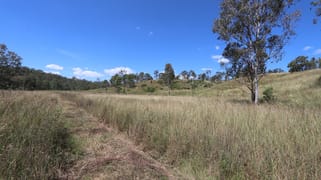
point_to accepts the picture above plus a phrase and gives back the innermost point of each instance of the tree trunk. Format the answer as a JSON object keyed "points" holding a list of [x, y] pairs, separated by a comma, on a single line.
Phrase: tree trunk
{"points": [[256, 89], [169, 82], [256, 85], [253, 95]]}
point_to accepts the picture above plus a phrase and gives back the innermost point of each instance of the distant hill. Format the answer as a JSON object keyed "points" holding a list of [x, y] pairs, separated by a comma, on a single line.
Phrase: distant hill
{"points": [[25, 78], [298, 88]]}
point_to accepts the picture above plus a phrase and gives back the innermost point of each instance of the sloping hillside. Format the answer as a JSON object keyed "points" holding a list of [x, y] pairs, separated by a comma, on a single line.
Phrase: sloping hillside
{"points": [[300, 88]]}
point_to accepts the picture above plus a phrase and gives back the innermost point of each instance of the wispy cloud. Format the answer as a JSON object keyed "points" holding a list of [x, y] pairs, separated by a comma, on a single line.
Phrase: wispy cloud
{"points": [[113, 71], [80, 73], [206, 69], [68, 53], [220, 59], [138, 28], [307, 48], [217, 47], [151, 33], [54, 67], [317, 52]]}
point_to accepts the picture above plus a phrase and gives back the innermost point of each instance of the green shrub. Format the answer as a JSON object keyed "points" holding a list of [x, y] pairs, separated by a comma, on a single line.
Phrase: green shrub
{"points": [[319, 81], [150, 89], [268, 95]]}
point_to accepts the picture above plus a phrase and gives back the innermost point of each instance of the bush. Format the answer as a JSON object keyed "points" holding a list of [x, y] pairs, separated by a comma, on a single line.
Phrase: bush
{"points": [[176, 85], [150, 89], [319, 82], [160, 81], [208, 85], [268, 95]]}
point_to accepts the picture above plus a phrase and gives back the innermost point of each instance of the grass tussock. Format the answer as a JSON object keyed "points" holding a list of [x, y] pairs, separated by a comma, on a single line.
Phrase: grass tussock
{"points": [[214, 138], [34, 143], [318, 83]]}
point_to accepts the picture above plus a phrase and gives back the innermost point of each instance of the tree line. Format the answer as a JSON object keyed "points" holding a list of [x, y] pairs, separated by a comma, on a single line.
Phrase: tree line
{"points": [[122, 80], [15, 76], [302, 63]]}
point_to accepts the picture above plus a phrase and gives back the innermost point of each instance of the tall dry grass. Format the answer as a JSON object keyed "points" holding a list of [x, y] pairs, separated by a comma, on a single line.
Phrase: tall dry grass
{"points": [[210, 138], [34, 142]]}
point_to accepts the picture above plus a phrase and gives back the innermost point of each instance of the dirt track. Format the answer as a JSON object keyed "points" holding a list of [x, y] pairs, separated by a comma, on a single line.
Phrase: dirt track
{"points": [[108, 154]]}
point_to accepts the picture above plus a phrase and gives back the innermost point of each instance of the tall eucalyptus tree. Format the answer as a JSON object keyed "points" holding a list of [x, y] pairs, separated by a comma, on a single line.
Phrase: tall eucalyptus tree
{"points": [[256, 31]]}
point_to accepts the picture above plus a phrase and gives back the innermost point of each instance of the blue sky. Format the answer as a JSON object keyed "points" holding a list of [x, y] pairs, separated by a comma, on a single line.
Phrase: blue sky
{"points": [[93, 39]]}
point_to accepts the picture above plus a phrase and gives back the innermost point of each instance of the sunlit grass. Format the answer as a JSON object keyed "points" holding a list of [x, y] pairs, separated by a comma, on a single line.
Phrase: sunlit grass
{"points": [[217, 138], [208, 133]]}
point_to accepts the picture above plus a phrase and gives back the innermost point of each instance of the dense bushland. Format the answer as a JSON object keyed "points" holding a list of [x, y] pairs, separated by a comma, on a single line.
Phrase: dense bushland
{"points": [[34, 142], [213, 138]]}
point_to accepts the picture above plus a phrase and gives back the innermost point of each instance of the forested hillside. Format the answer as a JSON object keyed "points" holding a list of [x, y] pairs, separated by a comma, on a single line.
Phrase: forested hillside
{"points": [[15, 76]]}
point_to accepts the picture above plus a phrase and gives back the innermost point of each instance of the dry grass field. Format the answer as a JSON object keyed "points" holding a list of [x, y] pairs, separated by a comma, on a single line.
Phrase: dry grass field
{"points": [[34, 141], [221, 135], [215, 134]]}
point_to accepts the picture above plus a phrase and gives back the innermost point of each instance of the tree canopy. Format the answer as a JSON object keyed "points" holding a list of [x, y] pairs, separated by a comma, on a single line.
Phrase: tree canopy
{"points": [[169, 75], [301, 63], [317, 5], [255, 32], [10, 63]]}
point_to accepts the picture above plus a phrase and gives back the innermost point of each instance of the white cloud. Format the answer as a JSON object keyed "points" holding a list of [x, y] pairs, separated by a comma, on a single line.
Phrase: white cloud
{"points": [[206, 69], [116, 70], [223, 61], [215, 57], [54, 67], [53, 72], [80, 73], [217, 47], [317, 52], [220, 59], [306, 48]]}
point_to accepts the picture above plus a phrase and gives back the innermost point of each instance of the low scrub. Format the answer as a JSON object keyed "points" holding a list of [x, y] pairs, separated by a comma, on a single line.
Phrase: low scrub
{"points": [[211, 138], [34, 143], [150, 89], [268, 95]]}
